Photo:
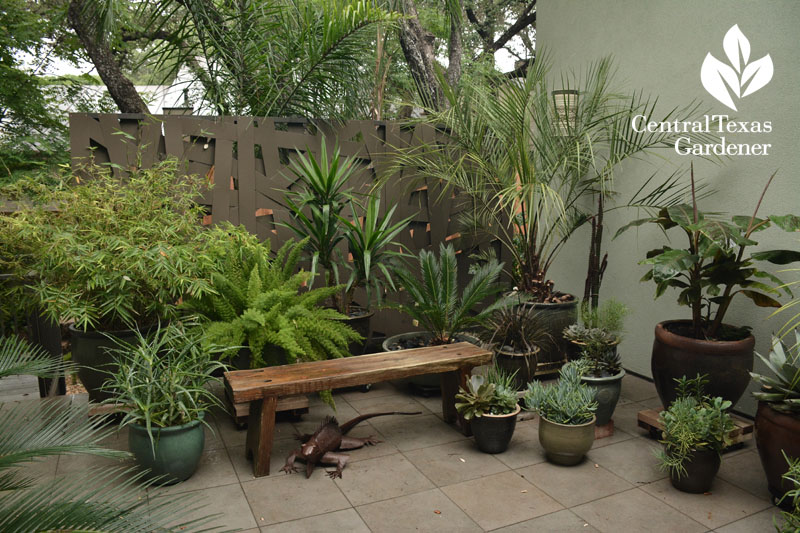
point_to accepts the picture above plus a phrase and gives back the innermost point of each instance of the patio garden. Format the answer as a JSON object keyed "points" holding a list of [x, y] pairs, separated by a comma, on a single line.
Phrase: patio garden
{"points": [[254, 319]]}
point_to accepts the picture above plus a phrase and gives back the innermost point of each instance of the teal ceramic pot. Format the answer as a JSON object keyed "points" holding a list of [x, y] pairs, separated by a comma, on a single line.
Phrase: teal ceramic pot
{"points": [[566, 444], [607, 391], [177, 450]]}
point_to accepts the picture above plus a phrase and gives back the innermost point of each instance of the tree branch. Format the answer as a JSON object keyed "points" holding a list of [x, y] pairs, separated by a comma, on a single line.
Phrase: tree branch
{"points": [[526, 18]]}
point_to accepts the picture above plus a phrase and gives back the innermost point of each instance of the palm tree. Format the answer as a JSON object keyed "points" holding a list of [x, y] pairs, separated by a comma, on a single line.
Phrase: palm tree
{"points": [[101, 500], [526, 164]]}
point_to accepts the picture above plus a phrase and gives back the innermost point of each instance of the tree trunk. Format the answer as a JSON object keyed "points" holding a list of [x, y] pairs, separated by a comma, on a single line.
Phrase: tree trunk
{"points": [[455, 50], [417, 45], [119, 87]]}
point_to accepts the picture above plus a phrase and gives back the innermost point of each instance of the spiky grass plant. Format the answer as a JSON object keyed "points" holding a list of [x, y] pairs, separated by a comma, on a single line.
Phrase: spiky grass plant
{"points": [[519, 327], [102, 500]]}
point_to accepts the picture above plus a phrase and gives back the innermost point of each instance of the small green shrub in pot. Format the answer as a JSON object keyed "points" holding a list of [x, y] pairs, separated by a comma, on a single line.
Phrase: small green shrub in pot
{"points": [[490, 403], [778, 415], [259, 303], [161, 381], [566, 408], [791, 500], [696, 429]]}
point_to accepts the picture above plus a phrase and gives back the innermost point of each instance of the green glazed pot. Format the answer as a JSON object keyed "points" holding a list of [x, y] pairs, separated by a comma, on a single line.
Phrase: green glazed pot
{"points": [[177, 450], [607, 391], [566, 444]]}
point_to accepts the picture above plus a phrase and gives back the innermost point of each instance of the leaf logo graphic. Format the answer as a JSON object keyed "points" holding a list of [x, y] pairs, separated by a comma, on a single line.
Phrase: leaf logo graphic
{"points": [[741, 77]]}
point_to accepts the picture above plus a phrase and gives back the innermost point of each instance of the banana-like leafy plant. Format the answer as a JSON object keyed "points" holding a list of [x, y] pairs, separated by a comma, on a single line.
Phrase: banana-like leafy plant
{"points": [[100, 499]]}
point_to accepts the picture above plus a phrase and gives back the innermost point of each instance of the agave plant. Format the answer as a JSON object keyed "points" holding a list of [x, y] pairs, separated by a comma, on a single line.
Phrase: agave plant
{"points": [[438, 307], [103, 500], [783, 390]]}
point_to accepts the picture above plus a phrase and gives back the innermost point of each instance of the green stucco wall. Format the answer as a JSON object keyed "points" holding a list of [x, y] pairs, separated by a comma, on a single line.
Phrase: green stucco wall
{"points": [[659, 47]]}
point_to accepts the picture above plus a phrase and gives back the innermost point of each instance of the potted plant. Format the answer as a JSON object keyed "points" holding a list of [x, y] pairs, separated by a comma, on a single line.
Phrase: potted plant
{"points": [[258, 304], [317, 209], [490, 404], [566, 408], [696, 429], [527, 163], [110, 251], [791, 500], [709, 272], [601, 369], [778, 415], [161, 381], [515, 333], [602, 325]]}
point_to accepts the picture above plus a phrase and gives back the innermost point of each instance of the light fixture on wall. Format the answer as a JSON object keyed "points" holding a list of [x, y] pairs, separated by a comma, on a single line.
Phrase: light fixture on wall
{"points": [[565, 102]]}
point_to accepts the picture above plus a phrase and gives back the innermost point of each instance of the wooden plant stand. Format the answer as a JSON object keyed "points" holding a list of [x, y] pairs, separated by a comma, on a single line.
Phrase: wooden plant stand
{"points": [[743, 430]]}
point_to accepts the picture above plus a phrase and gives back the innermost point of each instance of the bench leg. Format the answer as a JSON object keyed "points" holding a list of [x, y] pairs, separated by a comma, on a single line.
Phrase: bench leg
{"points": [[261, 423], [451, 381]]}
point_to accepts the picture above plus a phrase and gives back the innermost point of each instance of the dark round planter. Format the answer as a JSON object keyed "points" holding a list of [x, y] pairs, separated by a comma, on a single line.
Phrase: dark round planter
{"points": [[566, 444], [727, 363], [555, 317], [177, 450], [701, 469], [360, 321], [90, 351], [397, 342], [524, 364], [493, 432], [607, 390], [776, 431]]}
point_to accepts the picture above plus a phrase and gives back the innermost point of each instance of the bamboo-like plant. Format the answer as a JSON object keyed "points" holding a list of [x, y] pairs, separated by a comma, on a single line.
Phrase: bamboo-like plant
{"points": [[102, 500]]}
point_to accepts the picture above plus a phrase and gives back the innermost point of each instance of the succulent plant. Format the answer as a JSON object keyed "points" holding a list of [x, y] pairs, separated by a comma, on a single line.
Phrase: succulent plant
{"points": [[566, 402], [581, 334], [782, 391], [601, 362], [491, 394]]}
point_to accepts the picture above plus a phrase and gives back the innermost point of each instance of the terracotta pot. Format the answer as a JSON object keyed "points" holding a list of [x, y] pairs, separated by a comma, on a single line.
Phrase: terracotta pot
{"points": [[727, 363], [566, 444], [555, 317], [524, 364], [776, 431], [607, 391], [701, 469], [493, 432]]}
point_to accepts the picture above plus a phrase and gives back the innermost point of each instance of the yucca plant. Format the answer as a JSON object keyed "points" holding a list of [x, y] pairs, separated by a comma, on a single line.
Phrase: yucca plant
{"points": [[98, 500], [437, 305], [259, 303], [782, 391]]}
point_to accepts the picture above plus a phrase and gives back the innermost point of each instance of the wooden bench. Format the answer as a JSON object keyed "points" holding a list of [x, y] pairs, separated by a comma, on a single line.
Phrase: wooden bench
{"points": [[263, 387]]}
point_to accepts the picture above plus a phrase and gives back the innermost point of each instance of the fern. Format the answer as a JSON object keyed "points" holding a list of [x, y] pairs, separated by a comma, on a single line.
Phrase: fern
{"points": [[258, 303]]}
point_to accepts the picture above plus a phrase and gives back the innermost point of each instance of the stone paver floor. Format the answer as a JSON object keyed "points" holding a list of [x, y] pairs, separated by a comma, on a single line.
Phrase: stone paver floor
{"points": [[426, 476]]}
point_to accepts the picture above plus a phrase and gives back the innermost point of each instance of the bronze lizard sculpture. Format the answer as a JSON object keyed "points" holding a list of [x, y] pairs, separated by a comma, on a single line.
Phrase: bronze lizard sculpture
{"points": [[322, 445]]}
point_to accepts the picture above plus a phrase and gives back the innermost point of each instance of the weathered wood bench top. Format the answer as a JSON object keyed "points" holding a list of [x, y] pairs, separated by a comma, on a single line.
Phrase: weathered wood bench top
{"points": [[264, 386], [306, 378]]}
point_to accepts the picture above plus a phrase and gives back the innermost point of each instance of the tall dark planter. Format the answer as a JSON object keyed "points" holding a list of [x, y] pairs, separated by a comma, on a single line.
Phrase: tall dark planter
{"points": [[727, 363], [361, 323], [524, 364], [555, 317], [701, 470], [427, 382], [493, 432], [90, 351], [776, 431]]}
